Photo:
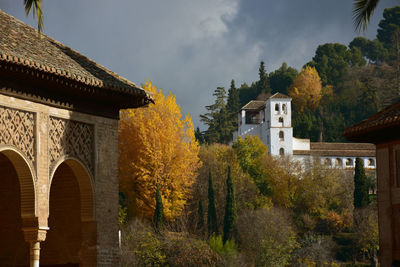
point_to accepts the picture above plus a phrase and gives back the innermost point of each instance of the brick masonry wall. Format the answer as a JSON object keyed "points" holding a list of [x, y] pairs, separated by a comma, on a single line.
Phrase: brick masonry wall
{"points": [[105, 176]]}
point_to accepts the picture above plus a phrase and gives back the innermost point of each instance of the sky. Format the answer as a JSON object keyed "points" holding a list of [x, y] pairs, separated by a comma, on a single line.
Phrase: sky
{"points": [[190, 47]]}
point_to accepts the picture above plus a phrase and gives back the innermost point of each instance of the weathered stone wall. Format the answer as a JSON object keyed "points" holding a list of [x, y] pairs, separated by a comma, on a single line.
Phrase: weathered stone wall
{"points": [[46, 137]]}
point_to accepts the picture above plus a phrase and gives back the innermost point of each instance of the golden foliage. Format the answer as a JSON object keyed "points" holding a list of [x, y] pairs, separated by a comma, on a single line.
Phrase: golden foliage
{"points": [[306, 90], [157, 147]]}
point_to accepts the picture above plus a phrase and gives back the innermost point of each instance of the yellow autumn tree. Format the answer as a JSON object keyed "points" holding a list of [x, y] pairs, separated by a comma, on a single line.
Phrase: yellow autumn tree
{"points": [[306, 90], [157, 147]]}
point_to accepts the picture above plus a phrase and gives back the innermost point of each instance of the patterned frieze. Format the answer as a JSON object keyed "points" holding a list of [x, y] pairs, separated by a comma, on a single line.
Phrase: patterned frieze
{"points": [[17, 128], [68, 138]]}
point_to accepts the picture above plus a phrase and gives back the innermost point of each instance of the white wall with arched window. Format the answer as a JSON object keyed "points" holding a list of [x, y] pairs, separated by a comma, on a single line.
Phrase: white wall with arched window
{"points": [[281, 136]]}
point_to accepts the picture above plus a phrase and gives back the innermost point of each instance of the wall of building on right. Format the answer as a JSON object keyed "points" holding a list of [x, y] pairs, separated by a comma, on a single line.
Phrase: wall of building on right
{"points": [[383, 130]]}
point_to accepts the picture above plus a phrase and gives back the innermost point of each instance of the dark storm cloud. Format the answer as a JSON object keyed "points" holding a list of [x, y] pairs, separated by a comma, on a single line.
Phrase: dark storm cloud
{"points": [[191, 47]]}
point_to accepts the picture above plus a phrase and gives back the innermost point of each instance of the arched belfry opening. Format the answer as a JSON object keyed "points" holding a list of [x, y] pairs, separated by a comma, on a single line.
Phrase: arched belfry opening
{"points": [[71, 240], [17, 208]]}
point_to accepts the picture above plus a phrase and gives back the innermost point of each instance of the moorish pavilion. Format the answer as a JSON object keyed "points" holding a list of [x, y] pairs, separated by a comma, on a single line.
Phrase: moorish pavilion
{"points": [[59, 116], [383, 129]]}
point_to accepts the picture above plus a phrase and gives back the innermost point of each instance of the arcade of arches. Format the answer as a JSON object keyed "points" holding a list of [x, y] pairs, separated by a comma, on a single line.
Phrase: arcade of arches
{"points": [[57, 206]]}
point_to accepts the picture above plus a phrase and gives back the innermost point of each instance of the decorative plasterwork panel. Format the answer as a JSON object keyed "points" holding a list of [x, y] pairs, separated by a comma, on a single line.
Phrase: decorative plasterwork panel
{"points": [[71, 138], [17, 128]]}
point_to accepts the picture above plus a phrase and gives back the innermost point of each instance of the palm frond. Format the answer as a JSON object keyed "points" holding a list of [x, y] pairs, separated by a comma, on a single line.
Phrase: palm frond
{"points": [[36, 7], [362, 12]]}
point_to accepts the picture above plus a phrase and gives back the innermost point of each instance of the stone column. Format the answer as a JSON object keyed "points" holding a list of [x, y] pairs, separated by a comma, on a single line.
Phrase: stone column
{"points": [[88, 252], [34, 235]]}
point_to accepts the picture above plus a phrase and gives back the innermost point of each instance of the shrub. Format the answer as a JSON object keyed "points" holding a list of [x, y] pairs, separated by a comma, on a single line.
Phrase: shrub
{"points": [[228, 250], [267, 236], [140, 246], [182, 250]]}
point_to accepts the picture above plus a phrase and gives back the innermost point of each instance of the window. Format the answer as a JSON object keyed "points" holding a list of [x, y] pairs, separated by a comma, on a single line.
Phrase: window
{"points": [[281, 136], [281, 120], [284, 108], [328, 161], [252, 117], [338, 162], [371, 162], [281, 151], [276, 108], [349, 162]]}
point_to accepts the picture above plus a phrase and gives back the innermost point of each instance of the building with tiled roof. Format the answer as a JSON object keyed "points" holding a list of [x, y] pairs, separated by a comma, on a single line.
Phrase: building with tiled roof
{"points": [[270, 120], [383, 130], [59, 186], [22, 49]]}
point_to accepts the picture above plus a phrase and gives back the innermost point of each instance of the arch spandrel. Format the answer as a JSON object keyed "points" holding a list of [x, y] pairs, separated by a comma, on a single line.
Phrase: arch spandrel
{"points": [[69, 138]]}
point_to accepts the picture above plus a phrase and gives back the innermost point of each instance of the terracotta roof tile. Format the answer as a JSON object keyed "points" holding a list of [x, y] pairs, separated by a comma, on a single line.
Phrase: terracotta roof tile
{"points": [[254, 105], [280, 96], [20, 44], [339, 150], [386, 118]]}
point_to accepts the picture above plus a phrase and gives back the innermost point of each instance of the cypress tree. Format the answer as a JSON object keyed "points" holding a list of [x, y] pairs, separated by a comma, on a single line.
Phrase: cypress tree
{"points": [[230, 210], [212, 213], [233, 107], [158, 218], [361, 196], [263, 83], [200, 217]]}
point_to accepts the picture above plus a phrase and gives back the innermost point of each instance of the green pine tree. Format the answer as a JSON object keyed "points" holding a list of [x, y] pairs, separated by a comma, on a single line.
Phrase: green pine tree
{"points": [[361, 196], [230, 210], [219, 130], [212, 212], [263, 82], [200, 217], [233, 104], [158, 218]]}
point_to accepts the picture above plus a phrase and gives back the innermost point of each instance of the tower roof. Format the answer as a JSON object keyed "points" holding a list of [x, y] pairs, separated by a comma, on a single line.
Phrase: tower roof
{"points": [[279, 96]]}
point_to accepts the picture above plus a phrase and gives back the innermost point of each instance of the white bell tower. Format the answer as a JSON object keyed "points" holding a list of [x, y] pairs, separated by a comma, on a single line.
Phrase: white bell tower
{"points": [[278, 113]]}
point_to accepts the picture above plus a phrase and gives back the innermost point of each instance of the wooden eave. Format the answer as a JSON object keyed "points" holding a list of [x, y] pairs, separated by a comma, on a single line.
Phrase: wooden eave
{"points": [[38, 84]]}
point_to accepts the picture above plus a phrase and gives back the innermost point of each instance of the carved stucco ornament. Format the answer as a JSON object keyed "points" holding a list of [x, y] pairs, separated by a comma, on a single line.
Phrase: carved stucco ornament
{"points": [[68, 138], [17, 129]]}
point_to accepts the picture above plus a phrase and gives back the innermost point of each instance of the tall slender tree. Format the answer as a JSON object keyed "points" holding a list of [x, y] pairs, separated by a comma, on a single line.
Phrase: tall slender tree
{"points": [[230, 210], [158, 218], [233, 106], [361, 198], [263, 82], [212, 212], [219, 129]]}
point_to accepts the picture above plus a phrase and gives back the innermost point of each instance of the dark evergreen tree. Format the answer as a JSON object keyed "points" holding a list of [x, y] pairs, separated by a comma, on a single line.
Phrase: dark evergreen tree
{"points": [[389, 27], [158, 218], [230, 210], [219, 128], [281, 79], [233, 106], [199, 136], [263, 82], [361, 198], [212, 212], [247, 93], [200, 217]]}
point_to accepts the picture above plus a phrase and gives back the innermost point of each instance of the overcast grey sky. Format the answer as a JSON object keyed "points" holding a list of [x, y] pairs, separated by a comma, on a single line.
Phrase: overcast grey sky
{"points": [[190, 47]]}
